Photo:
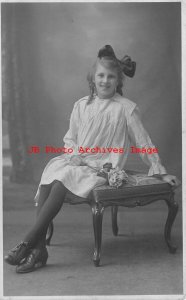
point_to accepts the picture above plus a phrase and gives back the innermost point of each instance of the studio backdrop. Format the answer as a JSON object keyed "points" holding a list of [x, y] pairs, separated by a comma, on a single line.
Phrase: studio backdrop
{"points": [[47, 50]]}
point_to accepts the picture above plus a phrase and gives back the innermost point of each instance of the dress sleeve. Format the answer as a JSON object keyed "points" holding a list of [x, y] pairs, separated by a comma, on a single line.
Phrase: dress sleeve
{"points": [[140, 137], [70, 138]]}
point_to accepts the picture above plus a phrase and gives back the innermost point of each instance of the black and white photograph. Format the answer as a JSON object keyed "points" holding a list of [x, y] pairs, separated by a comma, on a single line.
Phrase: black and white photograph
{"points": [[92, 150]]}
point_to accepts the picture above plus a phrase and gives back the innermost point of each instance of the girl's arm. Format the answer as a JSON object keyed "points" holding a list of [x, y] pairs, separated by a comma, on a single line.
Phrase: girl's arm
{"points": [[140, 137], [70, 138]]}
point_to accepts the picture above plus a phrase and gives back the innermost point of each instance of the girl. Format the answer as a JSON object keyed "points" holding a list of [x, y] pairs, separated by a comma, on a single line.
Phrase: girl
{"points": [[103, 119]]}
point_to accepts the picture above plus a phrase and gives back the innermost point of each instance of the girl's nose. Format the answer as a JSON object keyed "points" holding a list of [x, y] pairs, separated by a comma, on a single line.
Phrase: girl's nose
{"points": [[105, 79]]}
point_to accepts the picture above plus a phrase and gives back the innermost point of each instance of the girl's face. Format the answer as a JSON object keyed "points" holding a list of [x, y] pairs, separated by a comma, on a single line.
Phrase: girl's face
{"points": [[106, 81]]}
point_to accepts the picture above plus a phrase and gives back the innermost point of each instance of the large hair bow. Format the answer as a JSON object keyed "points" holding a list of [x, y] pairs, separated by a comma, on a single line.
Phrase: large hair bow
{"points": [[128, 66]]}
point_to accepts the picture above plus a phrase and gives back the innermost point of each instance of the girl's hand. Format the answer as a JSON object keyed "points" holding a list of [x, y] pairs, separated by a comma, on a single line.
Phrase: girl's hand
{"points": [[75, 160], [171, 179]]}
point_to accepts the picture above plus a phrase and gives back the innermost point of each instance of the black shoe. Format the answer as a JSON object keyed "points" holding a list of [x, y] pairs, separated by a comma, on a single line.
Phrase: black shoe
{"points": [[36, 258], [19, 252]]}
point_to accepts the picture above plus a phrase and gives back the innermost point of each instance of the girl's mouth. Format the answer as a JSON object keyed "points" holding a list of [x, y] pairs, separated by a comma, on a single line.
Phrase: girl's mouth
{"points": [[104, 86]]}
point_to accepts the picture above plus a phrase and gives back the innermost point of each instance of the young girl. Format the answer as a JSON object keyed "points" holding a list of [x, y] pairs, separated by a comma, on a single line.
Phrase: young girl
{"points": [[103, 119]]}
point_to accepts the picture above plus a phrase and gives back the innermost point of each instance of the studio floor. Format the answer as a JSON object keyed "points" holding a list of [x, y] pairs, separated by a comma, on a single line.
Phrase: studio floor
{"points": [[136, 262]]}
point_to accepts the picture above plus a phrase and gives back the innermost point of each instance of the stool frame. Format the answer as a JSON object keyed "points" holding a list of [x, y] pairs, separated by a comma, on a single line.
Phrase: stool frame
{"points": [[99, 200]]}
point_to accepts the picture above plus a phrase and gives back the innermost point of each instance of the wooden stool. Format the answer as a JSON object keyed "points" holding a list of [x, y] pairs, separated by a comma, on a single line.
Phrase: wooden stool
{"points": [[146, 191]]}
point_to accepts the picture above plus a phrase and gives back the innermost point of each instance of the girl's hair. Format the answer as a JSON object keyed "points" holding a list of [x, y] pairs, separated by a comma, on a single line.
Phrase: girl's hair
{"points": [[109, 63]]}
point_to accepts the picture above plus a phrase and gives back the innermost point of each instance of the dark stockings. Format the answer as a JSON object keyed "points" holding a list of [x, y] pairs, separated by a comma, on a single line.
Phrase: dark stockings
{"points": [[50, 202], [43, 195]]}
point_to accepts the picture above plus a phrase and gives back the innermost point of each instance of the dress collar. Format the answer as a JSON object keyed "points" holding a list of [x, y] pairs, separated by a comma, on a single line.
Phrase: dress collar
{"points": [[107, 99]]}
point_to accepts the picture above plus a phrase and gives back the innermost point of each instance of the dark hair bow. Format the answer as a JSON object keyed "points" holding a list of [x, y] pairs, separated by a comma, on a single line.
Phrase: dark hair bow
{"points": [[128, 66]]}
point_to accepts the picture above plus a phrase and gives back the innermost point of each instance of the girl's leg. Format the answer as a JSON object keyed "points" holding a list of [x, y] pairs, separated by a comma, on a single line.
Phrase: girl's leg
{"points": [[43, 195], [47, 212], [36, 235]]}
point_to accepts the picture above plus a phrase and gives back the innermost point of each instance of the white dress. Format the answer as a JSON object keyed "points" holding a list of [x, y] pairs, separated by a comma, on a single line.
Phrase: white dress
{"points": [[104, 123]]}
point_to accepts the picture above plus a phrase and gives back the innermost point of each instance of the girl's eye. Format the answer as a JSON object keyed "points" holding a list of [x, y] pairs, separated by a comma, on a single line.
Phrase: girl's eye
{"points": [[111, 76], [100, 75]]}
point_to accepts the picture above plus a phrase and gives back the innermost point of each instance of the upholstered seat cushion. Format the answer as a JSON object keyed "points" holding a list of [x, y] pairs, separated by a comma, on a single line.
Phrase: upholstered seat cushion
{"points": [[139, 185], [108, 193]]}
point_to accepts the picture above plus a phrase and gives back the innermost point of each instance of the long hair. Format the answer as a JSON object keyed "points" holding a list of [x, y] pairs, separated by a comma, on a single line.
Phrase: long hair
{"points": [[109, 63]]}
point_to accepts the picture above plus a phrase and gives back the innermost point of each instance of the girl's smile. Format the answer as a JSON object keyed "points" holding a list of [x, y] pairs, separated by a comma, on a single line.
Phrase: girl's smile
{"points": [[106, 81]]}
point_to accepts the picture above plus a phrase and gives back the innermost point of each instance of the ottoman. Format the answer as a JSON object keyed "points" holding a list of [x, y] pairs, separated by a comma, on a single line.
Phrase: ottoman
{"points": [[139, 191]]}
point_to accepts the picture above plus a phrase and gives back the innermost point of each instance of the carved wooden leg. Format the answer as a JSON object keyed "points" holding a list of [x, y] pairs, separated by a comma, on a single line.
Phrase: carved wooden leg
{"points": [[49, 233], [173, 209], [114, 211], [97, 211]]}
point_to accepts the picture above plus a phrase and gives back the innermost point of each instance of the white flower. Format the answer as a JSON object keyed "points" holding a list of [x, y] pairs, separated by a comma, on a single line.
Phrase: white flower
{"points": [[116, 177]]}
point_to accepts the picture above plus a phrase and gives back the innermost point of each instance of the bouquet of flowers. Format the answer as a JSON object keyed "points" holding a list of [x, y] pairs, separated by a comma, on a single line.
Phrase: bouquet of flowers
{"points": [[115, 177]]}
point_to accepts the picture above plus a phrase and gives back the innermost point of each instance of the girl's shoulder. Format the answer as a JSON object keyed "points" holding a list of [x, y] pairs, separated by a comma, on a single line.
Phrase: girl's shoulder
{"points": [[81, 101], [127, 104]]}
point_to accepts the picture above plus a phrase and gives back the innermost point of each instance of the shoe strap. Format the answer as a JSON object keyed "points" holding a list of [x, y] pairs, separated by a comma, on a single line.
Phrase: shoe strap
{"points": [[18, 246]]}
